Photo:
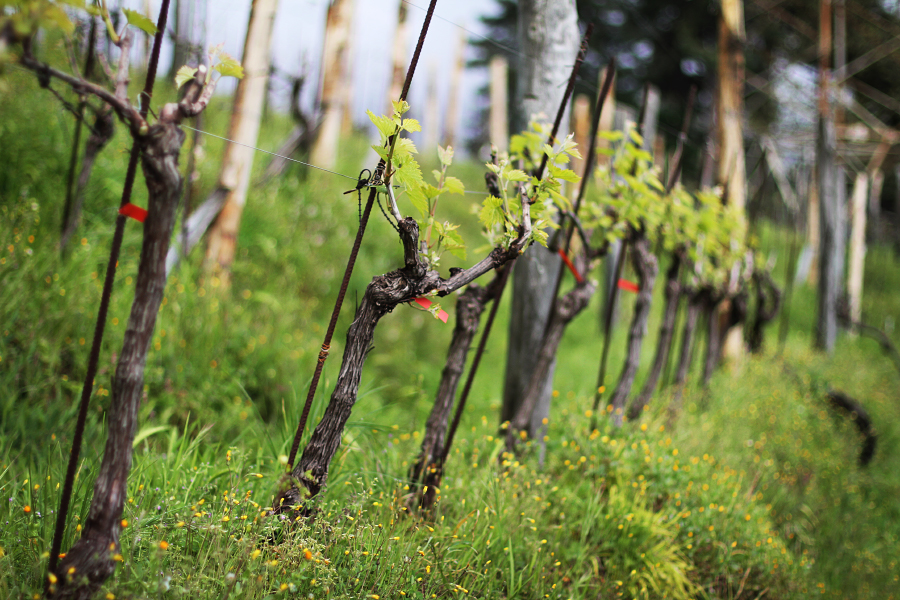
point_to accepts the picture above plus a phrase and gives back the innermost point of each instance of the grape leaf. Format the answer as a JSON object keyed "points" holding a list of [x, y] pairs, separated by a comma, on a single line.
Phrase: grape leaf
{"points": [[384, 124], [229, 67], [411, 125], [140, 21], [445, 155], [454, 185], [417, 195], [184, 75], [517, 175]]}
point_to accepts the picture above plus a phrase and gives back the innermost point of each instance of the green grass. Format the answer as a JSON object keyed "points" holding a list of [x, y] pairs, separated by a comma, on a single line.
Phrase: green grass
{"points": [[754, 491]]}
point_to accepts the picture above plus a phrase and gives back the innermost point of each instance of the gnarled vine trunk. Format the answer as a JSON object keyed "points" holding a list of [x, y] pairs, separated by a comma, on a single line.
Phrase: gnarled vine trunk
{"points": [[90, 561], [646, 267], [565, 310], [469, 307], [382, 295], [666, 335]]}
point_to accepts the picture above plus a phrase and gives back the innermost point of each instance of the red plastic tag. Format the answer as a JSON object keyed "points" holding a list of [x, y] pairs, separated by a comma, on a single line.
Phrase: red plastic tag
{"points": [[571, 266], [135, 212], [628, 286], [426, 303]]}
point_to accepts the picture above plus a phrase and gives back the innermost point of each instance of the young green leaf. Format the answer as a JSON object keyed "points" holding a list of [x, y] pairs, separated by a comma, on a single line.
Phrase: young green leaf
{"points": [[517, 175], [454, 185], [411, 125], [140, 21], [184, 75], [418, 196], [445, 155], [384, 124], [229, 67]]}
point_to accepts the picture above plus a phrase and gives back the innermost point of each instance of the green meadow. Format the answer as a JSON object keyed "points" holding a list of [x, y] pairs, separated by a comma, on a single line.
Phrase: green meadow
{"points": [[750, 489]]}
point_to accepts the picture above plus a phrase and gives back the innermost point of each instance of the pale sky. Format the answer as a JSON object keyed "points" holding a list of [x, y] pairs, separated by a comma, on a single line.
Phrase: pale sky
{"points": [[299, 29]]}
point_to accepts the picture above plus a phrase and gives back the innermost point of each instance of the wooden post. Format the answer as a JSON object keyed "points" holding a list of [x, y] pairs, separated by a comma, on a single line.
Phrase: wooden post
{"points": [[730, 105], [607, 118], [431, 128], [732, 168], [875, 186], [651, 117], [499, 128], [334, 79], [347, 91], [581, 125], [857, 245], [398, 57], [812, 227], [831, 252], [244, 129], [452, 114]]}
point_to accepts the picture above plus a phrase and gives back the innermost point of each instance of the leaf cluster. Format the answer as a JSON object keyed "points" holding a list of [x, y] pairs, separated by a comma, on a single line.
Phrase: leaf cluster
{"points": [[221, 61], [503, 217]]}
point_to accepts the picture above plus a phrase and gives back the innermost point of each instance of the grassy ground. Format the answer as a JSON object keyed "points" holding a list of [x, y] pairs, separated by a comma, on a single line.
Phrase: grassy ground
{"points": [[752, 491]]}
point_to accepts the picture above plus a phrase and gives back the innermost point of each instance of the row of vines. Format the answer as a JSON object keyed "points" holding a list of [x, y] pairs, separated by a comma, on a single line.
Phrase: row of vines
{"points": [[535, 203]]}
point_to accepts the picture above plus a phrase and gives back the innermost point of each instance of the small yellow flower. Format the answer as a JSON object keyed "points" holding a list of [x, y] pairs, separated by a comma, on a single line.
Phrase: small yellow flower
{"points": [[124, 523], [164, 545], [255, 553], [52, 578], [118, 558], [283, 587], [307, 555], [110, 596]]}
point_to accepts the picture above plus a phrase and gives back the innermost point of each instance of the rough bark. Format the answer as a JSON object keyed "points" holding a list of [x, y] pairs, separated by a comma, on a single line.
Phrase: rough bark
{"points": [[90, 561], [666, 335], [646, 268], [549, 37], [696, 301], [244, 128], [469, 307], [565, 310], [382, 295], [768, 303], [725, 313], [714, 340], [103, 130]]}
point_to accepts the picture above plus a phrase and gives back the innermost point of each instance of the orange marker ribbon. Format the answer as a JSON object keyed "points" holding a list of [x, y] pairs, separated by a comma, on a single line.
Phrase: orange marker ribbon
{"points": [[628, 286], [571, 266], [426, 304], [135, 212]]}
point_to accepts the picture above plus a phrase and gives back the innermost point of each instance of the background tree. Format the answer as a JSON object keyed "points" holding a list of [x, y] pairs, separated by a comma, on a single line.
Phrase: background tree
{"points": [[548, 31], [237, 165]]}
